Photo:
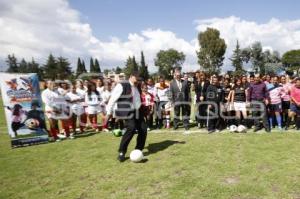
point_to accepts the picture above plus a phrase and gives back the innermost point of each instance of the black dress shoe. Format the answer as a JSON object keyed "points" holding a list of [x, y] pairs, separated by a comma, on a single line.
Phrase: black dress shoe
{"points": [[211, 131], [121, 157], [256, 129]]}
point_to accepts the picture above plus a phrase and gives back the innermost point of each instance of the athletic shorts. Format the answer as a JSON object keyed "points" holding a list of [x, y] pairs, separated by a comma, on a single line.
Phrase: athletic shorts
{"points": [[295, 108], [275, 107], [285, 105], [239, 106]]}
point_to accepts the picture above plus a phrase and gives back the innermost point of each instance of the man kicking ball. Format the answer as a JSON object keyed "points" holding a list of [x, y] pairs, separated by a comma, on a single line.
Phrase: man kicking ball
{"points": [[127, 98]]}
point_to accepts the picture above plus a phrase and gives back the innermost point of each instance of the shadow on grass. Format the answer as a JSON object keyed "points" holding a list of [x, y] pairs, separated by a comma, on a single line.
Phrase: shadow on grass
{"points": [[86, 134], [160, 146]]}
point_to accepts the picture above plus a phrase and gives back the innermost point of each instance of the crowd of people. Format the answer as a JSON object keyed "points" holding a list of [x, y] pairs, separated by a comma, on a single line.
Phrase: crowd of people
{"points": [[218, 102]]}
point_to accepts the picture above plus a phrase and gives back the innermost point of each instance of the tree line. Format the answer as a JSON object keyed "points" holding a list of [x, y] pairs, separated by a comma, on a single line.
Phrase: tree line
{"points": [[211, 55]]}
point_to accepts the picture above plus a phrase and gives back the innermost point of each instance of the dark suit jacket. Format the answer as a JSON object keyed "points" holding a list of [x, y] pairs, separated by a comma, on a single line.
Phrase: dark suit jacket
{"points": [[178, 95], [201, 90]]}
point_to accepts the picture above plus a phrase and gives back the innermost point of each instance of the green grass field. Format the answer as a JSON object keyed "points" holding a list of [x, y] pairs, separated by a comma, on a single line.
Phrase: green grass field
{"points": [[224, 165]]}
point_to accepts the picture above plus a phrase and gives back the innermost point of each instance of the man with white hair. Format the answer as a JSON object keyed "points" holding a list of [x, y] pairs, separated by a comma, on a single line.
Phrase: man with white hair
{"points": [[179, 94]]}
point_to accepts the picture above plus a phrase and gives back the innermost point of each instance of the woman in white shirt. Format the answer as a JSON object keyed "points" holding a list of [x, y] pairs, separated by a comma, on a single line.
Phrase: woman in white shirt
{"points": [[106, 94], [76, 99], [81, 90], [100, 85], [163, 98], [93, 101], [63, 88], [52, 101]]}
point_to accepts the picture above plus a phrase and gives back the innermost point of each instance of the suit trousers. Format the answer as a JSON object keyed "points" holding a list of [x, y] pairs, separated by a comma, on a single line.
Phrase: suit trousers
{"points": [[259, 112], [132, 126], [185, 110]]}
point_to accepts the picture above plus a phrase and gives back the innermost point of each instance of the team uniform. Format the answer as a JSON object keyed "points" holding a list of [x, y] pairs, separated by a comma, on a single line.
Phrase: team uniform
{"points": [[93, 102], [239, 102], [77, 109], [147, 100], [276, 93], [163, 99]]}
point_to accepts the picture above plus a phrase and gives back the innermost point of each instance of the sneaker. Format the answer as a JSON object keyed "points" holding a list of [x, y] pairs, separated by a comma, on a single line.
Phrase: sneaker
{"points": [[121, 157], [199, 126], [148, 129], [58, 140], [268, 130], [105, 130], [211, 131], [286, 128], [256, 129], [61, 136], [71, 137]]}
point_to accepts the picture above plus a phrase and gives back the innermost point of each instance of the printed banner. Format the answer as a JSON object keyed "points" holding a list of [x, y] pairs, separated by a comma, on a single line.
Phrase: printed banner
{"points": [[23, 109]]}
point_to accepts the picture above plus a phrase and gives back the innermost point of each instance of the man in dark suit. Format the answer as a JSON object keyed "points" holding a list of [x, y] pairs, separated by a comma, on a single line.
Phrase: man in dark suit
{"points": [[180, 97]]}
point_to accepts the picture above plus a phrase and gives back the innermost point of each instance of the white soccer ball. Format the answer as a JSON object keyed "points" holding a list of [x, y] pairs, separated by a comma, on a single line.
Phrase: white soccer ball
{"points": [[241, 129], [233, 128], [136, 155]]}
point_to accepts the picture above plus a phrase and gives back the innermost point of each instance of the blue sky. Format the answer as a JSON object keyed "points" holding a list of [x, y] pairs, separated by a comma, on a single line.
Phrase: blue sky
{"points": [[119, 18]]}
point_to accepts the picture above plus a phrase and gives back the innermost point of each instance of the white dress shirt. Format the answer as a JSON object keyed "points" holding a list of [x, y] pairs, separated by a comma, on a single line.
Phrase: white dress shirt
{"points": [[116, 94]]}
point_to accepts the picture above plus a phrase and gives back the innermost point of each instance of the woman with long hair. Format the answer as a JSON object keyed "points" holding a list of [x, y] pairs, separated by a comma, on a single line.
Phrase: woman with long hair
{"points": [[93, 100], [239, 100], [200, 87]]}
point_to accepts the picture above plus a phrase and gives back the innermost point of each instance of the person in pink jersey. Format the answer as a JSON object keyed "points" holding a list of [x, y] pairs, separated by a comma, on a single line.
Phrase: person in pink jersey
{"points": [[276, 93], [295, 102], [286, 85]]}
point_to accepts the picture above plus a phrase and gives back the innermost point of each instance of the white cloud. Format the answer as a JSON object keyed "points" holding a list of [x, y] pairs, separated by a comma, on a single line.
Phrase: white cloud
{"points": [[33, 29], [274, 35], [30, 28]]}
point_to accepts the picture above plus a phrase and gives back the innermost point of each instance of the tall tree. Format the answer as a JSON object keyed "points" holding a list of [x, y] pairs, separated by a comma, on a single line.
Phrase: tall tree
{"points": [[130, 66], [237, 60], [291, 60], [118, 70], [23, 67], [79, 67], [257, 58], [12, 64], [50, 68], [143, 68], [97, 68], [63, 68], [33, 67], [92, 65], [167, 60], [83, 66], [212, 50]]}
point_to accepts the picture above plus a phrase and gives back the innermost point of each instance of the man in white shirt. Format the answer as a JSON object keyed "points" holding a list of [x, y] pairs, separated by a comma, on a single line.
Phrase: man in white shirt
{"points": [[127, 97]]}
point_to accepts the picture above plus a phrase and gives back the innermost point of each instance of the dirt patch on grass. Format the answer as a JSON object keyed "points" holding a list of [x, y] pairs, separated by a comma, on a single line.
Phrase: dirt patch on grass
{"points": [[264, 168], [131, 189], [296, 195], [232, 180], [276, 189]]}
